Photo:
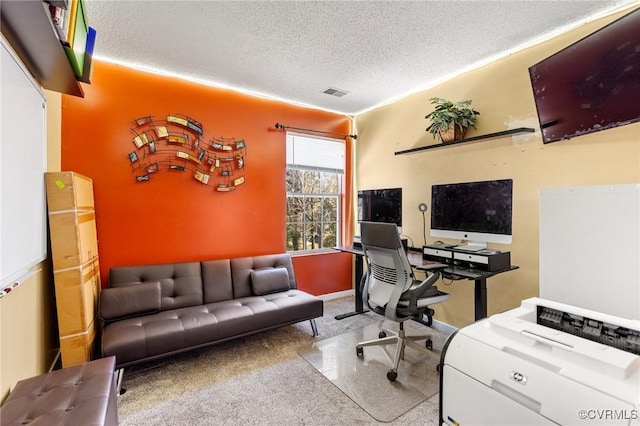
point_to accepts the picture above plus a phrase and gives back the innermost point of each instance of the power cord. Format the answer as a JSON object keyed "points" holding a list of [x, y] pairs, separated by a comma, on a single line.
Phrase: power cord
{"points": [[410, 239], [449, 279]]}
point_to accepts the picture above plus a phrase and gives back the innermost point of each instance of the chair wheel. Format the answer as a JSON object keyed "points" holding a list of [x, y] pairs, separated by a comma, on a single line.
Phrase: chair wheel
{"points": [[392, 375], [429, 344], [359, 351], [382, 335], [438, 368]]}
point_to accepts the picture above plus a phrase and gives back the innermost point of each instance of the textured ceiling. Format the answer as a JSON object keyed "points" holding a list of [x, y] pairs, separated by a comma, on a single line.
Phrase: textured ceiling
{"points": [[294, 50]]}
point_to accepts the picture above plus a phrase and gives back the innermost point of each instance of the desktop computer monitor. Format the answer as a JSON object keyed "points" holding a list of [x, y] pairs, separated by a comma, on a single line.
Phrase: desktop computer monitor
{"points": [[381, 205], [475, 212]]}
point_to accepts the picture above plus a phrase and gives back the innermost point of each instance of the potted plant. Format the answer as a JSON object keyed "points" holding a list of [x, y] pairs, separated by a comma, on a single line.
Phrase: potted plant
{"points": [[450, 120]]}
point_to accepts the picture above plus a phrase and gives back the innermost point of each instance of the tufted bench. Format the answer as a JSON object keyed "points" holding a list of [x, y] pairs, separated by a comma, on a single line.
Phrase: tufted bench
{"points": [[82, 395]]}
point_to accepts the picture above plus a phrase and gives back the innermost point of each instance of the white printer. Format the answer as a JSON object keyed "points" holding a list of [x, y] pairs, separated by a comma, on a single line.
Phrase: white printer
{"points": [[543, 363]]}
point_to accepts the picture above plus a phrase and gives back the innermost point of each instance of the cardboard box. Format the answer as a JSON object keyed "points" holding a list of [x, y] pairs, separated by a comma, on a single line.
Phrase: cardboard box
{"points": [[74, 252], [73, 240], [77, 292], [77, 349], [68, 191]]}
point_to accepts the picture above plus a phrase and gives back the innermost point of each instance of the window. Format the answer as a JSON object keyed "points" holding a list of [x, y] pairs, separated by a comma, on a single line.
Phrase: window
{"points": [[314, 190]]}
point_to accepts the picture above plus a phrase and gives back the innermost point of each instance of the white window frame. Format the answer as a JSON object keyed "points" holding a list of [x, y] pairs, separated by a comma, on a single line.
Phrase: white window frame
{"points": [[317, 154]]}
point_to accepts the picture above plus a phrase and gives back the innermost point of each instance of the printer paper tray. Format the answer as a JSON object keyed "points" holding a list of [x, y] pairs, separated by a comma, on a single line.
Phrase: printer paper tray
{"points": [[469, 402], [537, 387]]}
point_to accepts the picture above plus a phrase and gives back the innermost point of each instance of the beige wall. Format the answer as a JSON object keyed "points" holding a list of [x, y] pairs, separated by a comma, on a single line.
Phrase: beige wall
{"points": [[28, 328], [501, 91]]}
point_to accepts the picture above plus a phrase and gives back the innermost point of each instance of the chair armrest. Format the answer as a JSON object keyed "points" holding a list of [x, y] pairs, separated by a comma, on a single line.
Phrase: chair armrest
{"points": [[419, 291]]}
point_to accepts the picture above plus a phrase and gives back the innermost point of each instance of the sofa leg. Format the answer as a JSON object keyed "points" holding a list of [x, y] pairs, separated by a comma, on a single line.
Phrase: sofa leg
{"points": [[314, 327], [119, 374]]}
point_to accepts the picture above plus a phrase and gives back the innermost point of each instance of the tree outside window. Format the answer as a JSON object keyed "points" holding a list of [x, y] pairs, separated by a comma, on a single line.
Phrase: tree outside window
{"points": [[313, 209], [314, 171]]}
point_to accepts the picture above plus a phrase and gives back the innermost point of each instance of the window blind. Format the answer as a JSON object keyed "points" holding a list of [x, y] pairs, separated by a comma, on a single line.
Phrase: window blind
{"points": [[315, 153]]}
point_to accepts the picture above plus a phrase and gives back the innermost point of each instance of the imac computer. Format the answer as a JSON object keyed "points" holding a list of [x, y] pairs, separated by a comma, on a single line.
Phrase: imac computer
{"points": [[476, 213], [381, 205]]}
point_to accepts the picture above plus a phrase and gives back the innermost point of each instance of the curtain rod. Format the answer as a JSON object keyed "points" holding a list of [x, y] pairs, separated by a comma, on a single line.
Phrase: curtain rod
{"points": [[283, 127]]}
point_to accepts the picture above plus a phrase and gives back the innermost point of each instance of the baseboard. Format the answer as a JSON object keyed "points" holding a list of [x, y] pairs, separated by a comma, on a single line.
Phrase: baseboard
{"points": [[444, 328], [57, 362], [337, 295]]}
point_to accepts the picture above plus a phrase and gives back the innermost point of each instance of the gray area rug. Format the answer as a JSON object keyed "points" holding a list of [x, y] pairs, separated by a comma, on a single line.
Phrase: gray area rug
{"points": [[364, 380], [257, 380]]}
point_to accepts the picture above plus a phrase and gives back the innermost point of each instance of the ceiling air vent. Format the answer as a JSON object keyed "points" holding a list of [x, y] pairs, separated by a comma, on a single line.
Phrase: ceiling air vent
{"points": [[335, 92]]}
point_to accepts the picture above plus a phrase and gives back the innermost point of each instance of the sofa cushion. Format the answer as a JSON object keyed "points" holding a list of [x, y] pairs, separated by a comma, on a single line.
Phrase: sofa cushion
{"points": [[181, 283], [269, 280], [129, 301], [241, 268], [216, 280]]}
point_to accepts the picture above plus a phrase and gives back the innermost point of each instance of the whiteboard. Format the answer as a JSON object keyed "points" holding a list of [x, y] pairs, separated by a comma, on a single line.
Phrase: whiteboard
{"points": [[590, 247], [23, 236]]}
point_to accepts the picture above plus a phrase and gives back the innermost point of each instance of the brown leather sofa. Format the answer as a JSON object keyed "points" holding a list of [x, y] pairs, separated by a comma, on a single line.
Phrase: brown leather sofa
{"points": [[153, 311]]}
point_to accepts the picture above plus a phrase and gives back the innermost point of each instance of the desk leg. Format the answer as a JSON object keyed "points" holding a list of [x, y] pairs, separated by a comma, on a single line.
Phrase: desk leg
{"points": [[480, 298], [359, 261]]}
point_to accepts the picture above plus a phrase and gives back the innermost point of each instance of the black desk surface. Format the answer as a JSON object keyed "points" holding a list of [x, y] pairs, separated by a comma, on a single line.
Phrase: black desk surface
{"points": [[450, 272], [415, 259]]}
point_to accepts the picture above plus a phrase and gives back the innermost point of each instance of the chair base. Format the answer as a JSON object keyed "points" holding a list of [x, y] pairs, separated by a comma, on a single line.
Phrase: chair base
{"points": [[401, 340]]}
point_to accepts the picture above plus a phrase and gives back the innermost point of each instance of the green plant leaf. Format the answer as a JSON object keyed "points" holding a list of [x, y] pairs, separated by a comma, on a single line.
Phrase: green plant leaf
{"points": [[447, 113]]}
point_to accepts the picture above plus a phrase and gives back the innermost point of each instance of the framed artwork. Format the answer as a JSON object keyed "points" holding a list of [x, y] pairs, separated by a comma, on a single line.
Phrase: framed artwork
{"points": [[177, 142]]}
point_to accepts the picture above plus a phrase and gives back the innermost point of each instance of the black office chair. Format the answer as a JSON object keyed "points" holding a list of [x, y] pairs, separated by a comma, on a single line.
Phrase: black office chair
{"points": [[390, 289]]}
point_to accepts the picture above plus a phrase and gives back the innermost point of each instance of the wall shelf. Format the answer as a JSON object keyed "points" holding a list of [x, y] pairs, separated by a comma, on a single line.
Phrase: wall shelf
{"points": [[467, 140], [28, 28]]}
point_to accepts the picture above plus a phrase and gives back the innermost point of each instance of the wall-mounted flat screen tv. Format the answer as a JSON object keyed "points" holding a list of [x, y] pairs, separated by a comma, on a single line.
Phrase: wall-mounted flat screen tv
{"points": [[592, 85]]}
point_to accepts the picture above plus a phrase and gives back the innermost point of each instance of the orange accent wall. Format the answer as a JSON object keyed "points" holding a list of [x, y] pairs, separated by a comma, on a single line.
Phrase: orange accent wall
{"points": [[323, 273], [173, 217]]}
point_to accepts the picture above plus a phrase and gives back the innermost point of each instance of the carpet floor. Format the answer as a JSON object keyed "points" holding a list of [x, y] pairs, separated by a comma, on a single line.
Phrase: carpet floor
{"points": [[257, 380]]}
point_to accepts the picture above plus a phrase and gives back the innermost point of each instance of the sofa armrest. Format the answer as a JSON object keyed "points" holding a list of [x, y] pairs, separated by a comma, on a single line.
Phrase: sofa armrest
{"points": [[129, 301]]}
